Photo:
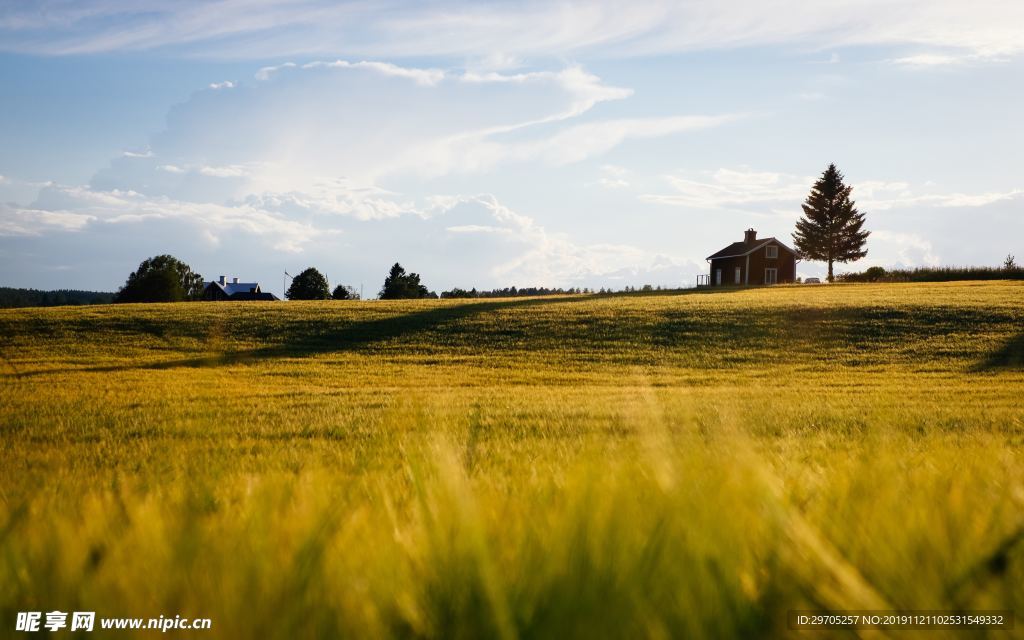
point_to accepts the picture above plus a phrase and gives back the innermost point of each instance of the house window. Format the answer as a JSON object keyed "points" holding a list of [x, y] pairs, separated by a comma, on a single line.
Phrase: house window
{"points": [[737, 275], [771, 251], [771, 276]]}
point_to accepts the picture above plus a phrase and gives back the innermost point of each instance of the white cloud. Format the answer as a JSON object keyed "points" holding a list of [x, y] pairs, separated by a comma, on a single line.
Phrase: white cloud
{"points": [[553, 259], [894, 248], [614, 177], [228, 171], [18, 221], [266, 72], [148, 153], [342, 197], [594, 138], [939, 60], [227, 84], [74, 208], [466, 240], [423, 77], [761, 191], [321, 123], [899, 195], [478, 228], [502, 31], [732, 188]]}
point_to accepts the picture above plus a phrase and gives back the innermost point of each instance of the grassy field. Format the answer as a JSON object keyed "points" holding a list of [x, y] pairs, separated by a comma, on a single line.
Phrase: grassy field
{"points": [[674, 465]]}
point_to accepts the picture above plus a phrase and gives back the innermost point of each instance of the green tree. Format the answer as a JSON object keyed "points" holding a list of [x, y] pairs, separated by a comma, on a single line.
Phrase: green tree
{"points": [[162, 278], [342, 292], [831, 230], [309, 285], [399, 285]]}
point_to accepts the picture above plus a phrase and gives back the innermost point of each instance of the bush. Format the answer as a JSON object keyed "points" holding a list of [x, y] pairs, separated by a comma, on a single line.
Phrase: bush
{"points": [[933, 274], [343, 292]]}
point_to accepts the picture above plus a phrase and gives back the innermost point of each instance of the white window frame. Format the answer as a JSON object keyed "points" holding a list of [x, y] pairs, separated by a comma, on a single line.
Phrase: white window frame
{"points": [[771, 276], [771, 252], [738, 270]]}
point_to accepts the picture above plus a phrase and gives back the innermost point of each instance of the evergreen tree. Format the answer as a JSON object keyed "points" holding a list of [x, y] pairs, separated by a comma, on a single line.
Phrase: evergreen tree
{"points": [[399, 285], [309, 285], [831, 229], [162, 278]]}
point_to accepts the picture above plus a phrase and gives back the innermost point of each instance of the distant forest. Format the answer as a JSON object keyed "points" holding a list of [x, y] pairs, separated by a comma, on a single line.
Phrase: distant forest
{"points": [[935, 274], [11, 297]]}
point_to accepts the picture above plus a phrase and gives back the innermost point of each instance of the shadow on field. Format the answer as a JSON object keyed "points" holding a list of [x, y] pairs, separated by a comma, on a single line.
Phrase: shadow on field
{"points": [[705, 336], [1010, 356], [323, 337]]}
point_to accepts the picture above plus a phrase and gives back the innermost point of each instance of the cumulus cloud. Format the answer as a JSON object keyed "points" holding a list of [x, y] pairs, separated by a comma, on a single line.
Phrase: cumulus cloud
{"points": [[17, 221], [372, 121], [75, 208], [526, 252], [331, 132], [894, 248]]}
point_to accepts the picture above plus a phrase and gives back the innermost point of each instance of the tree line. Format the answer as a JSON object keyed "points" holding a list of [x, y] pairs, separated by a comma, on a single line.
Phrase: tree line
{"points": [[12, 297]]}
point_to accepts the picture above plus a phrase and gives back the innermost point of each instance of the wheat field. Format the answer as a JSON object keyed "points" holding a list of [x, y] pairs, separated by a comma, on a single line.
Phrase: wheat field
{"points": [[667, 465]]}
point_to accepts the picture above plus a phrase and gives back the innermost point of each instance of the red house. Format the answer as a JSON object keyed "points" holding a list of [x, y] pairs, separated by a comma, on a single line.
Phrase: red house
{"points": [[752, 262]]}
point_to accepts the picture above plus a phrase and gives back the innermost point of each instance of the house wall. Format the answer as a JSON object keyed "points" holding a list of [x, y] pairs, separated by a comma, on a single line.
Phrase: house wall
{"points": [[728, 267], [213, 292], [785, 263]]}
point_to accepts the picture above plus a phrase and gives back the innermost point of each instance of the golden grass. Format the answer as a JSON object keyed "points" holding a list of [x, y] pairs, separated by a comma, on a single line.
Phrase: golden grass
{"points": [[623, 466]]}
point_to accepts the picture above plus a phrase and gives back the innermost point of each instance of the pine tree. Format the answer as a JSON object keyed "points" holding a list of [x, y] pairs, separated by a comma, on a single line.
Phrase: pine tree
{"points": [[400, 285], [832, 230]]}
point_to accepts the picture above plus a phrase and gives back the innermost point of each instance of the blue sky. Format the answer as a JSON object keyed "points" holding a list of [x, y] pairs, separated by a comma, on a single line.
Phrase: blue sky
{"points": [[493, 144]]}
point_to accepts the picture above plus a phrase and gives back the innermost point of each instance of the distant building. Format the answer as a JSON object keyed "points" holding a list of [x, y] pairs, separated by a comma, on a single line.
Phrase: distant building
{"points": [[752, 262], [235, 290]]}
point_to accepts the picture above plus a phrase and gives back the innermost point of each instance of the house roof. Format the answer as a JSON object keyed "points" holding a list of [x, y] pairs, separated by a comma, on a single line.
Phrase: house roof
{"points": [[740, 249], [231, 288]]}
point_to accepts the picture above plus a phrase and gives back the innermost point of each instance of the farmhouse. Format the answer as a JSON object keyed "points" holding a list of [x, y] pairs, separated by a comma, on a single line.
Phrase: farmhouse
{"points": [[223, 290], [752, 262]]}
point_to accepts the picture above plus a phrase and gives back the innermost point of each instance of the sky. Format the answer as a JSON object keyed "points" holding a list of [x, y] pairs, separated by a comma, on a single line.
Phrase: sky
{"points": [[493, 144]]}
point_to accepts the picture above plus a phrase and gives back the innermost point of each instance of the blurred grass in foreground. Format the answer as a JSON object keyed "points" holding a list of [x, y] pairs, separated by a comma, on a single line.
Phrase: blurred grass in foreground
{"points": [[656, 466]]}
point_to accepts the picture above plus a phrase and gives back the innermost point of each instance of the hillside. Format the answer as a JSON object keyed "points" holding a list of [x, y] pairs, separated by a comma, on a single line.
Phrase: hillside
{"points": [[673, 465]]}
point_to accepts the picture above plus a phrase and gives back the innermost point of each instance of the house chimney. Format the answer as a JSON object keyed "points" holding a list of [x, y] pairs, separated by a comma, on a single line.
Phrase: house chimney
{"points": [[234, 280], [223, 280], [749, 236]]}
